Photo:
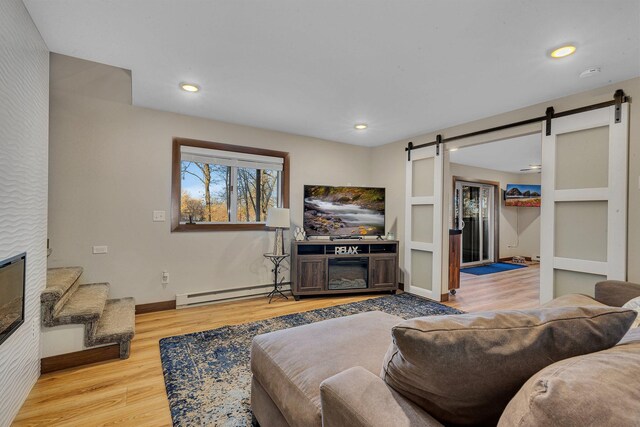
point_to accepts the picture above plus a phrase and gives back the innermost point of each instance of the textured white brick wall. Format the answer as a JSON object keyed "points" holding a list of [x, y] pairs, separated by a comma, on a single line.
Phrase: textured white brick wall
{"points": [[24, 130]]}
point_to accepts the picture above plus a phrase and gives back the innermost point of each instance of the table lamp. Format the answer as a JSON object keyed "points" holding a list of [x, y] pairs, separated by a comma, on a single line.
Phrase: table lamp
{"points": [[278, 218]]}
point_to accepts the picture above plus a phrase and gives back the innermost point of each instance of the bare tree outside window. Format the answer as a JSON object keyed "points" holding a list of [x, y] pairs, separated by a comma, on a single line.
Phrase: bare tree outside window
{"points": [[228, 188], [206, 194], [210, 184], [257, 192]]}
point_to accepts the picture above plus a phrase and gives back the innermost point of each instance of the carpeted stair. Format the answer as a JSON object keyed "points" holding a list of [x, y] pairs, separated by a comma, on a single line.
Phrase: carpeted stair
{"points": [[107, 321]]}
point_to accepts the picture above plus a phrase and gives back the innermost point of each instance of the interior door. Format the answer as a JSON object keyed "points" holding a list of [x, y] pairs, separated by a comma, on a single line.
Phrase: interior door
{"points": [[584, 202], [423, 223]]}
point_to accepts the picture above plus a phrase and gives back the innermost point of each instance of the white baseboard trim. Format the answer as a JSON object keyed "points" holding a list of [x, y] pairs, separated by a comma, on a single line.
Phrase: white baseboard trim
{"points": [[195, 299], [422, 292]]}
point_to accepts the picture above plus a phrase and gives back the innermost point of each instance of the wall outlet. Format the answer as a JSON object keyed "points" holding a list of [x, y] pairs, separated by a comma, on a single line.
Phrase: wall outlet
{"points": [[100, 249], [159, 216], [165, 278]]}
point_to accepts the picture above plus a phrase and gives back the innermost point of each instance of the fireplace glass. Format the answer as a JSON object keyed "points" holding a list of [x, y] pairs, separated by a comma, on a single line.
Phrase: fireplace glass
{"points": [[348, 273], [12, 280]]}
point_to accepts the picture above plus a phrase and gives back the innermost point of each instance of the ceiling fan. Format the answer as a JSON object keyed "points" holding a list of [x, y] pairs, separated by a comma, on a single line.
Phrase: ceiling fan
{"points": [[537, 168]]}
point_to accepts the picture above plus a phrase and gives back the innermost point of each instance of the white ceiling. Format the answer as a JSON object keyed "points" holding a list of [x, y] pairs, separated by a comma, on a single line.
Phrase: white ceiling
{"points": [[507, 155], [318, 67]]}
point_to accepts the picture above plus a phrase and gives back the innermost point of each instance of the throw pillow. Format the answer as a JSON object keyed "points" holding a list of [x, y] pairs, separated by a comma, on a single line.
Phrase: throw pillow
{"points": [[634, 304], [594, 390], [464, 369]]}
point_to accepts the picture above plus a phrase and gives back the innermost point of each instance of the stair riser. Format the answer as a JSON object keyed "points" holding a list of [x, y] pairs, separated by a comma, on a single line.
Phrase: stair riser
{"points": [[89, 332], [46, 313], [125, 349]]}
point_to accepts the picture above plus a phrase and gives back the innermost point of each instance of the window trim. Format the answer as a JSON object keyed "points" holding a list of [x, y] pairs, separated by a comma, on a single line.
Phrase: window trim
{"points": [[176, 181]]}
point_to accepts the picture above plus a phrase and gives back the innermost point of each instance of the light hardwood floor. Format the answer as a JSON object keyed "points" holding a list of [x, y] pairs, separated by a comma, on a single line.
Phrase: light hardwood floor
{"points": [[515, 289], [131, 392]]}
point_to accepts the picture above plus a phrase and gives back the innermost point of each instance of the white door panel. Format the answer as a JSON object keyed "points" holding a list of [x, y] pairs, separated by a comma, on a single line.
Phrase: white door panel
{"points": [[423, 259], [587, 149]]}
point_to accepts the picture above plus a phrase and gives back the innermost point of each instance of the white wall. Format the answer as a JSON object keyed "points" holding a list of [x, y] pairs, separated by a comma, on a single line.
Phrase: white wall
{"points": [[110, 167], [519, 229], [24, 109]]}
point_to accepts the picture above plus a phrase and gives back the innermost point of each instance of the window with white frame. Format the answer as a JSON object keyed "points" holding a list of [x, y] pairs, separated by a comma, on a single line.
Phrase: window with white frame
{"points": [[227, 185]]}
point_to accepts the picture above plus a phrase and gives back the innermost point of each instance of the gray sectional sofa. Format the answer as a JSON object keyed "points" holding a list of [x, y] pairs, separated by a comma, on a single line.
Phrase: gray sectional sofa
{"points": [[353, 371]]}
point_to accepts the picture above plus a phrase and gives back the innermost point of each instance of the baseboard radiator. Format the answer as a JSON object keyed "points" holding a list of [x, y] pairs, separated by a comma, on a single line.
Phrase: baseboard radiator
{"points": [[218, 295]]}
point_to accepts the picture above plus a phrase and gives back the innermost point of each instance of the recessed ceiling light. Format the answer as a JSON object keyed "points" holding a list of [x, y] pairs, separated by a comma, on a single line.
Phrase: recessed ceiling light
{"points": [[563, 51], [189, 87], [361, 126], [535, 166], [453, 149]]}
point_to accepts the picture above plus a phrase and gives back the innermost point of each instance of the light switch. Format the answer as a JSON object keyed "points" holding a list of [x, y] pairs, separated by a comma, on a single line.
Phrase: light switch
{"points": [[158, 216], [100, 249]]}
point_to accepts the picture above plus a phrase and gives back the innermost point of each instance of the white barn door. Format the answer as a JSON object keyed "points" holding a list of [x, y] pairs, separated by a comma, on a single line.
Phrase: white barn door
{"points": [[423, 223], [584, 202]]}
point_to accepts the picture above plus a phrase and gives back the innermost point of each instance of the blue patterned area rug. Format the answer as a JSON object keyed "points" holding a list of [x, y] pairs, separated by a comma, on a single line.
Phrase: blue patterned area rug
{"points": [[207, 374]]}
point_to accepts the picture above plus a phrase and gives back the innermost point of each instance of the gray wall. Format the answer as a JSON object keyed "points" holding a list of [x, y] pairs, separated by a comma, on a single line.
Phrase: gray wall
{"points": [[110, 167], [24, 110]]}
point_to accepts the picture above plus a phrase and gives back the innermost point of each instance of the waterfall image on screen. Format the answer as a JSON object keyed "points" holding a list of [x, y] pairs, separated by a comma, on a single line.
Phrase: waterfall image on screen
{"points": [[343, 211]]}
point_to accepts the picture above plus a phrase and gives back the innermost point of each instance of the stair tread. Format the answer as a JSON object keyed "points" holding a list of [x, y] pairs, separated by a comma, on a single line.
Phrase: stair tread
{"points": [[85, 305], [59, 280], [117, 322]]}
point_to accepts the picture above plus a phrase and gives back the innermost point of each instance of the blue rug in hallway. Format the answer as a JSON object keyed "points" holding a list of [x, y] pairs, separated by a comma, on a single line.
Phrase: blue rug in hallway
{"points": [[207, 374], [496, 267]]}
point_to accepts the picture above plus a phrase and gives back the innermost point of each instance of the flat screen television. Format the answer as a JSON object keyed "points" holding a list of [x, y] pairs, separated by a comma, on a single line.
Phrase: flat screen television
{"points": [[523, 195], [12, 280], [343, 211]]}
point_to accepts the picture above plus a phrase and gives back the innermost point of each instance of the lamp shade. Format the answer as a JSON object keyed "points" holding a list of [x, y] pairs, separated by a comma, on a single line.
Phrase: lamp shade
{"points": [[278, 218]]}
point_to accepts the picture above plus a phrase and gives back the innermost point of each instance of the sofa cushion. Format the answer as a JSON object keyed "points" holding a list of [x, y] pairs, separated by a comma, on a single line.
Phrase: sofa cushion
{"points": [[597, 389], [634, 304], [359, 398], [290, 364], [615, 293], [631, 336], [464, 369], [573, 300]]}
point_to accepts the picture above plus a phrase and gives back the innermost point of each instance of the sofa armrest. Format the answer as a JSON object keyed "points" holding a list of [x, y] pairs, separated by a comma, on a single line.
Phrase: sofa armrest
{"points": [[616, 293], [358, 398]]}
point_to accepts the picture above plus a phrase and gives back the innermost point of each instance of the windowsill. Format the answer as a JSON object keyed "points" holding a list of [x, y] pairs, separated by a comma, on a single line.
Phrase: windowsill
{"points": [[220, 227]]}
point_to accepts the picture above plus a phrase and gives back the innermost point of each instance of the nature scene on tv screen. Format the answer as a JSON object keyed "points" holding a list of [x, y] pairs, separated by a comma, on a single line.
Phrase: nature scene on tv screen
{"points": [[343, 211], [521, 195]]}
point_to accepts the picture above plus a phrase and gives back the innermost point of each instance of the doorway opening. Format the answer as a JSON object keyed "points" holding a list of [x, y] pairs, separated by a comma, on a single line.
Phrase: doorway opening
{"points": [[500, 242]]}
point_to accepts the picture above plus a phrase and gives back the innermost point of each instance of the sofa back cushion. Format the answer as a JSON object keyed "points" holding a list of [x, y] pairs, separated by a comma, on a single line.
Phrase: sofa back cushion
{"points": [[634, 304], [573, 300], [597, 389], [464, 369]]}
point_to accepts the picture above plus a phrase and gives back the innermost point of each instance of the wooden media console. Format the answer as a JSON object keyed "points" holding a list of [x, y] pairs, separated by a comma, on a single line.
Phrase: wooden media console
{"points": [[323, 267]]}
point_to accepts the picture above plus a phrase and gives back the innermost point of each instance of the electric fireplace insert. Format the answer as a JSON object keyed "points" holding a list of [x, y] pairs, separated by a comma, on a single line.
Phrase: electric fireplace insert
{"points": [[348, 273], [12, 286]]}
